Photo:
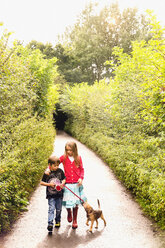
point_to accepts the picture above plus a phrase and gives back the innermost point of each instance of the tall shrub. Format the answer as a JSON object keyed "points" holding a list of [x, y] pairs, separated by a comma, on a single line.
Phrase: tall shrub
{"points": [[27, 96]]}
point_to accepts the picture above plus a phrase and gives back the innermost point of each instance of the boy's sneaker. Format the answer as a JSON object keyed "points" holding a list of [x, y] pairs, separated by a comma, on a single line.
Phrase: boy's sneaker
{"points": [[50, 228], [57, 225]]}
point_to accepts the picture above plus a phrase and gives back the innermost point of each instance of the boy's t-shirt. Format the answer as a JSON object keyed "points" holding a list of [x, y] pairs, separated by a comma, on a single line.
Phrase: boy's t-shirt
{"points": [[53, 176]]}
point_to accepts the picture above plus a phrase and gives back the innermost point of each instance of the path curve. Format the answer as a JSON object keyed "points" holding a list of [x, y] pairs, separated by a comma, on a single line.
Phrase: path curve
{"points": [[126, 225]]}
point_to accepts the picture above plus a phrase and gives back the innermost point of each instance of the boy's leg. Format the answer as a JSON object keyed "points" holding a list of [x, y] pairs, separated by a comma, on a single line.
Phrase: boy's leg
{"points": [[51, 209], [58, 206]]}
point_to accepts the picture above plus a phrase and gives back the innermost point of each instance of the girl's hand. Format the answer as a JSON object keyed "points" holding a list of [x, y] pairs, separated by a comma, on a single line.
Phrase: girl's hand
{"points": [[80, 182], [62, 186], [47, 171]]}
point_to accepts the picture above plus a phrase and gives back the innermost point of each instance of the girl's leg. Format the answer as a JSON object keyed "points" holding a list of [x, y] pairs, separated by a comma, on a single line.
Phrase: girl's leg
{"points": [[51, 209], [58, 206], [75, 211], [69, 217]]}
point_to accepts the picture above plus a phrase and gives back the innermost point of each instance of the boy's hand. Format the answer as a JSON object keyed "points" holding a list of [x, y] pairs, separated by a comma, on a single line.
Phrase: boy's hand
{"points": [[52, 184]]}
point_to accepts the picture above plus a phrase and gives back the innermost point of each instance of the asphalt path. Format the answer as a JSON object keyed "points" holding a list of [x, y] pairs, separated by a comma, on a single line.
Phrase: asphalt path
{"points": [[127, 227]]}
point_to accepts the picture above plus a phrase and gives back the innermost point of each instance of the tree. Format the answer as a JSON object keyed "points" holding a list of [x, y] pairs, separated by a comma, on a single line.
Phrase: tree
{"points": [[47, 49], [52, 53], [91, 40]]}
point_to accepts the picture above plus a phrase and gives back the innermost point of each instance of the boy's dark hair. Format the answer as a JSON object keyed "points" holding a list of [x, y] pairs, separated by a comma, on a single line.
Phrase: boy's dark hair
{"points": [[53, 160]]}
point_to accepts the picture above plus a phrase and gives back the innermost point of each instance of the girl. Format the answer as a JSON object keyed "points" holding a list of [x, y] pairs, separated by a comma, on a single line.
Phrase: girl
{"points": [[74, 173]]}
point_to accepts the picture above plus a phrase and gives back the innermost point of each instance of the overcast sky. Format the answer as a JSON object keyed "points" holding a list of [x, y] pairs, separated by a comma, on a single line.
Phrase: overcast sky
{"points": [[43, 20]]}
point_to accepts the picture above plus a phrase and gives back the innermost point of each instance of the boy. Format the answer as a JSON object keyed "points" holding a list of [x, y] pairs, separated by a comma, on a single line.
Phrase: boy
{"points": [[54, 183]]}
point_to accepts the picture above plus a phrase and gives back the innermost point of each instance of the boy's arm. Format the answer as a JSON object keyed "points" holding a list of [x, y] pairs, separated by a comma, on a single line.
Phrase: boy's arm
{"points": [[45, 183], [51, 184]]}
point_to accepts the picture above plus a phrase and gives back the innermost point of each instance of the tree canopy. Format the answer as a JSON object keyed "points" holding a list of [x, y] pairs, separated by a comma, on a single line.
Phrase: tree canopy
{"points": [[91, 40]]}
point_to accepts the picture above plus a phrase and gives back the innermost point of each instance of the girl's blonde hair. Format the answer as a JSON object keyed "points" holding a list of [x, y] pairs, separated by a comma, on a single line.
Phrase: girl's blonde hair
{"points": [[74, 149]]}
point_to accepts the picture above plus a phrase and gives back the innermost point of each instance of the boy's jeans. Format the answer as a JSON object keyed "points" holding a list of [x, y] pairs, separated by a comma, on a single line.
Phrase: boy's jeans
{"points": [[54, 204]]}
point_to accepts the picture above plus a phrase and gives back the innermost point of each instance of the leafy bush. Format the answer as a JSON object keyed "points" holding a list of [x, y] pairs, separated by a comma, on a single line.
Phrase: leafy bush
{"points": [[21, 168], [27, 98]]}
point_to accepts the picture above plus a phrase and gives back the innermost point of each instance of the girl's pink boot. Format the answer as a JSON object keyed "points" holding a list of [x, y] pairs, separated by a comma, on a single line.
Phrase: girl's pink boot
{"points": [[75, 211], [69, 217]]}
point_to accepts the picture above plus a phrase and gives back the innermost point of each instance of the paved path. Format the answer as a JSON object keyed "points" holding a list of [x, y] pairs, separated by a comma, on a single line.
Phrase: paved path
{"points": [[126, 225]]}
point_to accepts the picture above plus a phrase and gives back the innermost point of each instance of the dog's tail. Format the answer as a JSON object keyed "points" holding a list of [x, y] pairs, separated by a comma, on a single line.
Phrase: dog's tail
{"points": [[98, 203]]}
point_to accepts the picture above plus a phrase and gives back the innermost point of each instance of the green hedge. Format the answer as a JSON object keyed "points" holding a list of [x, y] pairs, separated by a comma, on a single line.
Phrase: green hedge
{"points": [[27, 97], [21, 168], [140, 168]]}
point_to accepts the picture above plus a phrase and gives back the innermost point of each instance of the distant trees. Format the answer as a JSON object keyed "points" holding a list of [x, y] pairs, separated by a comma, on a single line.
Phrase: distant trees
{"points": [[47, 50], [89, 43]]}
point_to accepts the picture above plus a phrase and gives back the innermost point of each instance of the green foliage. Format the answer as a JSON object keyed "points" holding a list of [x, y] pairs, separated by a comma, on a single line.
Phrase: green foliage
{"points": [[123, 120], [43, 72], [144, 68], [46, 49], [21, 168], [27, 99], [91, 40]]}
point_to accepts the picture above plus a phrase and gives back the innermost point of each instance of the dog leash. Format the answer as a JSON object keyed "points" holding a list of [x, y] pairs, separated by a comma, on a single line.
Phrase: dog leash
{"points": [[58, 188], [74, 193]]}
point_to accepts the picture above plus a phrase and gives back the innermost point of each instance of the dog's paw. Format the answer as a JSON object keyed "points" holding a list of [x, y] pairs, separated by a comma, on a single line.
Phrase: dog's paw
{"points": [[87, 224], [96, 227]]}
